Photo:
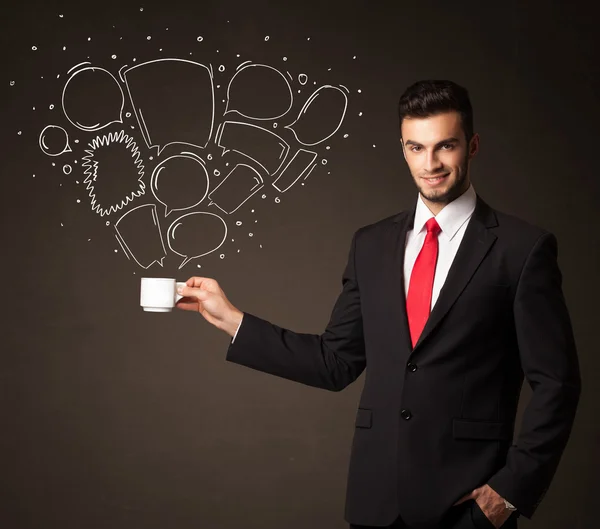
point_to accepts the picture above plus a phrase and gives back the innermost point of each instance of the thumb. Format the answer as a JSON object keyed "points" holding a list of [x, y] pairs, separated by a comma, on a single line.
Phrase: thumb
{"points": [[466, 497], [189, 292]]}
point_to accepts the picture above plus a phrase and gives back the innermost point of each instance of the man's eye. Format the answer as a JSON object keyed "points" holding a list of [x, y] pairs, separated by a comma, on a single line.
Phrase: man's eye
{"points": [[414, 148], [448, 145]]}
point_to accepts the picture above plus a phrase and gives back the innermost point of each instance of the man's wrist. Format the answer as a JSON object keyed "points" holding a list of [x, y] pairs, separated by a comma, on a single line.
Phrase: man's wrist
{"points": [[232, 322]]}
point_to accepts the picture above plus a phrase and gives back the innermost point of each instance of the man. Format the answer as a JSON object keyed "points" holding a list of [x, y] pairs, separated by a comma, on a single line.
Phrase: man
{"points": [[448, 306]]}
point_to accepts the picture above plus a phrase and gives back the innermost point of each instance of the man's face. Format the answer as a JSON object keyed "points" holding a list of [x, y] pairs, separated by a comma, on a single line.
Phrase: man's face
{"points": [[436, 147]]}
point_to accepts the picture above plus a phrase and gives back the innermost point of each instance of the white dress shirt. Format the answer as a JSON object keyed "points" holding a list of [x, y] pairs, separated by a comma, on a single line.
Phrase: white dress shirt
{"points": [[453, 220]]}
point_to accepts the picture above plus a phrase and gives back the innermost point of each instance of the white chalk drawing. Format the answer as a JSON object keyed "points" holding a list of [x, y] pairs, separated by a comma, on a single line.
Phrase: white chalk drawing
{"points": [[321, 116], [307, 174], [180, 182], [54, 141], [177, 89], [195, 235], [114, 170], [294, 170], [87, 95], [258, 91], [302, 79], [262, 146], [236, 188], [138, 233]]}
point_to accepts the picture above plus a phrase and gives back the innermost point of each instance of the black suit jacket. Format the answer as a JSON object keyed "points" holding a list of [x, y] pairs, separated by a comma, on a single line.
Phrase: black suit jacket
{"points": [[436, 421]]}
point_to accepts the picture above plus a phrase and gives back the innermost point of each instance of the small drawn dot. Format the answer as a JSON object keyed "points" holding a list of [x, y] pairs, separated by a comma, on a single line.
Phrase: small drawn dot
{"points": [[285, 58], [354, 57], [328, 147], [33, 108], [127, 114], [108, 222], [360, 113], [19, 133], [53, 164], [266, 38], [151, 157], [148, 37], [141, 8], [264, 196], [238, 55], [299, 91], [200, 39], [12, 83], [221, 68], [216, 172], [51, 107], [328, 69], [373, 145], [64, 48], [308, 38], [67, 169], [116, 251], [238, 223], [89, 38], [274, 125], [113, 56], [134, 59], [76, 141], [60, 16], [33, 176], [222, 256], [346, 135], [159, 49], [324, 161], [78, 201], [34, 48], [250, 235], [359, 91], [199, 266]]}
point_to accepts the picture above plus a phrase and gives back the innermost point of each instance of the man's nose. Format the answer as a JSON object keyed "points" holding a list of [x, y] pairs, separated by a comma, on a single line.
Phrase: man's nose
{"points": [[432, 162]]}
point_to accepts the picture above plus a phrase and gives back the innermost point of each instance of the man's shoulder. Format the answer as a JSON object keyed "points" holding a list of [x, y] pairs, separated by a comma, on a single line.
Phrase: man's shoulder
{"points": [[518, 227], [381, 225]]}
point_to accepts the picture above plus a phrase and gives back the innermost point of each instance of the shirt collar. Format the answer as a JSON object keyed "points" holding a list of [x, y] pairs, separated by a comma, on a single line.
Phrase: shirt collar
{"points": [[452, 216]]}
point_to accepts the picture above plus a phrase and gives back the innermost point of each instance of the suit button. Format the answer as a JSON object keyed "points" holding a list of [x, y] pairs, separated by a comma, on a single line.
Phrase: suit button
{"points": [[406, 414], [412, 367]]}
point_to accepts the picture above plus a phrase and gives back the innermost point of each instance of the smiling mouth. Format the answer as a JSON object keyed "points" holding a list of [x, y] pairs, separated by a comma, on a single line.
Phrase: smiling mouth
{"points": [[435, 179]]}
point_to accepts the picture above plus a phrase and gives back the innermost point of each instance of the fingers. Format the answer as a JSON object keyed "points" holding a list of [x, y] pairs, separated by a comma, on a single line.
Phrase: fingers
{"points": [[187, 305], [198, 282]]}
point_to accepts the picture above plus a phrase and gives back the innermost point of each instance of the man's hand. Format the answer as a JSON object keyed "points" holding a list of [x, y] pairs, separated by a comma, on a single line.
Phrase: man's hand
{"points": [[204, 295], [491, 503]]}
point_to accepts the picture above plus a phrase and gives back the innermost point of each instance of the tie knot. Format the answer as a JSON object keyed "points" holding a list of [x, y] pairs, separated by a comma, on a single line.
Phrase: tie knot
{"points": [[433, 227]]}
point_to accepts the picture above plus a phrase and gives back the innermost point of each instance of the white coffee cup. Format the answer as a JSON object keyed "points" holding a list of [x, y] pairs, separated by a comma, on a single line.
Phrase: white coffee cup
{"points": [[159, 294]]}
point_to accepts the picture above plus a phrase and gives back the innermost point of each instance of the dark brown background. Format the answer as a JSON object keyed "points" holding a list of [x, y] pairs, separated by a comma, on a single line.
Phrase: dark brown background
{"points": [[115, 418]]}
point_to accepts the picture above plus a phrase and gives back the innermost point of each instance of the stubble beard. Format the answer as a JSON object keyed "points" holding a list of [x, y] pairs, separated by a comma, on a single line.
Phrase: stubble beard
{"points": [[452, 192]]}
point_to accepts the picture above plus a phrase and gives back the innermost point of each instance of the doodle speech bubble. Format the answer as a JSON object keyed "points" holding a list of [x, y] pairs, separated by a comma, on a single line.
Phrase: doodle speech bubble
{"points": [[54, 141], [258, 91], [321, 116], [180, 182], [93, 99], [238, 186], [173, 100], [138, 233], [197, 234]]}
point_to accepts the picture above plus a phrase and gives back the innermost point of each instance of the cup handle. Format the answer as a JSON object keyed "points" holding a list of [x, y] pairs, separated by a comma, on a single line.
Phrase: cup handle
{"points": [[177, 285]]}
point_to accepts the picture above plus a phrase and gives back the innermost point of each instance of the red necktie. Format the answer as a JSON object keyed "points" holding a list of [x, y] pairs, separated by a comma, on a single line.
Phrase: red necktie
{"points": [[418, 300]]}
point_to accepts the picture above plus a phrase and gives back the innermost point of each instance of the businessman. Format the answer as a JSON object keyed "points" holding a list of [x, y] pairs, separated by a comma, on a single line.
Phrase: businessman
{"points": [[447, 306]]}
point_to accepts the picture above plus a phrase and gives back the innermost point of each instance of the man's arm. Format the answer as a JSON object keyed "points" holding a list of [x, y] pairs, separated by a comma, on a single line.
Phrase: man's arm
{"points": [[330, 361], [550, 364]]}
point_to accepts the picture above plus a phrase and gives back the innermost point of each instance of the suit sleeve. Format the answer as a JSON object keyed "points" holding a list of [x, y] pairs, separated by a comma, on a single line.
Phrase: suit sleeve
{"points": [[331, 360], [550, 364]]}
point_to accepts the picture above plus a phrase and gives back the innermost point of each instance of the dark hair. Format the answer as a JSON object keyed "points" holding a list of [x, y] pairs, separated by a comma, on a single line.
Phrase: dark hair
{"points": [[430, 97]]}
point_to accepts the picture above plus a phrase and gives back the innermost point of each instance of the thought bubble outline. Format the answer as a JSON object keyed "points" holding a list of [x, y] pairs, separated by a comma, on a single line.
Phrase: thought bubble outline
{"points": [[97, 126], [240, 69], [160, 167], [45, 148], [127, 251], [139, 115], [260, 183], [307, 105], [175, 225], [91, 169], [285, 147]]}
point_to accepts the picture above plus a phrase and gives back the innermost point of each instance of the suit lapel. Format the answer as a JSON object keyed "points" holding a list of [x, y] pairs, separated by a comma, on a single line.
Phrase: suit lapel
{"points": [[474, 246]]}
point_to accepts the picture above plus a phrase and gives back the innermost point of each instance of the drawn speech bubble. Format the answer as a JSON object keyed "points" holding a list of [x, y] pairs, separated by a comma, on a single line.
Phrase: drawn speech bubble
{"points": [[180, 182], [54, 141], [173, 100], [197, 234], [138, 233], [258, 91], [321, 116], [92, 99]]}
